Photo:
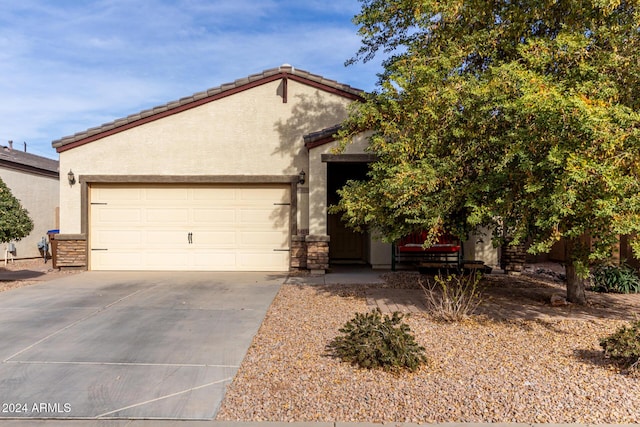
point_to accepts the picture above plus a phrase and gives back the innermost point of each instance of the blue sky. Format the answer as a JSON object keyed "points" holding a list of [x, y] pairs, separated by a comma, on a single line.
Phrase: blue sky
{"points": [[69, 65]]}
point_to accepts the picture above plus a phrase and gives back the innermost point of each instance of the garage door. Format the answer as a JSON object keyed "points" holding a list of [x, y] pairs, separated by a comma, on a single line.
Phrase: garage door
{"points": [[211, 228]]}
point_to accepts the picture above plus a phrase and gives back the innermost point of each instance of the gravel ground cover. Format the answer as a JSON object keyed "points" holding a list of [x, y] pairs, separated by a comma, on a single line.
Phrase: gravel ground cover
{"points": [[36, 269], [485, 369]]}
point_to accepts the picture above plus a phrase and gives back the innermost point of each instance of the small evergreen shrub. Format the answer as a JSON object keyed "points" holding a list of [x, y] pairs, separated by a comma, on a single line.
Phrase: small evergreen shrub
{"points": [[453, 298], [622, 279], [373, 341], [624, 345]]}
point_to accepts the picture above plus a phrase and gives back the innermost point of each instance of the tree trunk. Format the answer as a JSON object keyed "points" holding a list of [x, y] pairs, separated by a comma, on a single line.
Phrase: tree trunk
{"points": [[575, 285]]}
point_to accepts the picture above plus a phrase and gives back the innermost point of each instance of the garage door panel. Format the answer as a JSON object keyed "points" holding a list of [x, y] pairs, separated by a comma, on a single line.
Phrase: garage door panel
{"points": [[219, 260], [220, 217], [166, 194], [215, 239], [177, 239], [115, 194], [125, 260], [117, 238], [217, 194], [261, 216], [254, 195], [232, 228], [257, 239], [164, 260], [262, 261], [117, 215], [167, 216]]}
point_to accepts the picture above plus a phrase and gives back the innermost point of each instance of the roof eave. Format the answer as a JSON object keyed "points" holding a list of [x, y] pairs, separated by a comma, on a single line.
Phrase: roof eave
{"points": [[202, 98]]}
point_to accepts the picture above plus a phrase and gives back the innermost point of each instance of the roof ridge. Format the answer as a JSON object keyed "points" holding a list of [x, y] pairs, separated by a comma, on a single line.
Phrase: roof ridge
{"points": [[10, 155], [198, 96]]}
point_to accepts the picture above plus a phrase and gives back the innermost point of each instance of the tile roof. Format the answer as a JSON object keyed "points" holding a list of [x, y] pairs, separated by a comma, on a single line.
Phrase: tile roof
{"points": [[206, 96], [17, 159], [321, 137]]}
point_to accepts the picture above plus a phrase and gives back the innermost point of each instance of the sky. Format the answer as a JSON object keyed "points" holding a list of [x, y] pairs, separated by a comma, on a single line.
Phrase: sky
{"points": [[70, 65]]}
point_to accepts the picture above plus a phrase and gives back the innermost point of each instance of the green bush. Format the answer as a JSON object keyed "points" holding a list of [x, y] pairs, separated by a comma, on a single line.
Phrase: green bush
{"points": [[622, 279], [372, 341], [624, 345]]}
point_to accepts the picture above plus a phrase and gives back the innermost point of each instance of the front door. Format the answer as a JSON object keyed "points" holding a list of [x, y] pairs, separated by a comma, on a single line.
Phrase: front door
{"points": [[346, 245]]}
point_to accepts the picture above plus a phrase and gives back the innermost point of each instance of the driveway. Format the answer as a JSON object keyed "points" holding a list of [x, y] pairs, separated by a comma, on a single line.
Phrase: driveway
{"points": [[106, 345]]}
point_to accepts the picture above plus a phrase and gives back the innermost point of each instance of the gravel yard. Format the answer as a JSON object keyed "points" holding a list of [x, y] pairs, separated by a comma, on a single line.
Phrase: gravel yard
{"points": [[30, 271], [486, 369]]}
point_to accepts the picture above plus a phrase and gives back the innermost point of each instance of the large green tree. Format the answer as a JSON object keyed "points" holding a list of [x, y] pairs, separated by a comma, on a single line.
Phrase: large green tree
{"points": [[15, 222], [521, 115]]}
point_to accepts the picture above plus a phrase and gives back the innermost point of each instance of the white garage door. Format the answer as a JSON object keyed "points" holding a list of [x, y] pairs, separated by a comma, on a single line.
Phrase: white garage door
{"points": [[210, 228]]}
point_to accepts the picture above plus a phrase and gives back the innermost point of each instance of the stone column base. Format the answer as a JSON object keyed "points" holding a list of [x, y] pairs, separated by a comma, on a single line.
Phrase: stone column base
{"points": [[298, 254], [71, 251], [317, 253], [513, 258]]}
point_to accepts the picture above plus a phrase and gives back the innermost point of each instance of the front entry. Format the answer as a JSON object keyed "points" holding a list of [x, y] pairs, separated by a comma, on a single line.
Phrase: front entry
{"points": [[346, 246]]}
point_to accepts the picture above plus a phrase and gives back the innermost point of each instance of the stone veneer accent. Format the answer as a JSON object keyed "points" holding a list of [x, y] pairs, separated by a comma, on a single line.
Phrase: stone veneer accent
{"points": [[513, 258], [298, 254], [70, 251], [317, 253]]}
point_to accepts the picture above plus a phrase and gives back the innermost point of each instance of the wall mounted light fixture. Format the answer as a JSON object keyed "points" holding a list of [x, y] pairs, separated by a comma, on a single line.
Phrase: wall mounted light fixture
{"points": [[71, 177], [301, 177]]}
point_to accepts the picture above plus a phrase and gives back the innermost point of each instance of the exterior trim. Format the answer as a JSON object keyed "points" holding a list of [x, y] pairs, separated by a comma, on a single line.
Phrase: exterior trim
{"points": [[29, 169], [284, 73], [348, 158]]}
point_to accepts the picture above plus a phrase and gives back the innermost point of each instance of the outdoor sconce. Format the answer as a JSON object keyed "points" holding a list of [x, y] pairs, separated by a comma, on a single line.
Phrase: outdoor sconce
{"points": [[301, 177], [71, 177]]}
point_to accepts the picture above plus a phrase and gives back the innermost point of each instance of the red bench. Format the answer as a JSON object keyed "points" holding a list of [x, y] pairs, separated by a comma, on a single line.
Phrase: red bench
{"points": [[446, 253]]}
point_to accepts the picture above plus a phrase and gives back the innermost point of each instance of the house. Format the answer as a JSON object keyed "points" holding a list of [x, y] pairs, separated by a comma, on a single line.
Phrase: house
{"points": [[238, 177], [34, 181]]}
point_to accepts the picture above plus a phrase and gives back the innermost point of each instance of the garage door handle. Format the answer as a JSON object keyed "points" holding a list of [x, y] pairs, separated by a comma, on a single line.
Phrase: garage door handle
{"points": [[281, 250], [190, 238]]}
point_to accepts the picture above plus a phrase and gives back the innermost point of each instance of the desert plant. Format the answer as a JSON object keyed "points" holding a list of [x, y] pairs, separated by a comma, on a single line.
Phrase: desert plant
{"points": [[371, 340], [621, 279], [453, 297], [624, 345]]}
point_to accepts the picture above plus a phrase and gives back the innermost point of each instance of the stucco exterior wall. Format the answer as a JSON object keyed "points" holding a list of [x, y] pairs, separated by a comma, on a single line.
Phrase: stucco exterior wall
{"points": [[480, 248], [318, 181], [39, 195], [250, 133]]}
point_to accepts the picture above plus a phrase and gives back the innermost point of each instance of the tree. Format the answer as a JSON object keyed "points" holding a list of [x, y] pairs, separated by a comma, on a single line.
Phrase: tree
{"points": [[15, 222], [519, 115]]}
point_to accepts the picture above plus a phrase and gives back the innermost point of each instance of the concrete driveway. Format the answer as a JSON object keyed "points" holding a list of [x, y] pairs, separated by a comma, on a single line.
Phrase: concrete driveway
{"points": [[110, 345]]}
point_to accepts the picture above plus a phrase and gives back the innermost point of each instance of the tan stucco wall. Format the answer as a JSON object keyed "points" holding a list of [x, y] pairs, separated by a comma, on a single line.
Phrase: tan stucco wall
{"points": [[479, 247], [39, 195], [318, 181], [249, 133]]}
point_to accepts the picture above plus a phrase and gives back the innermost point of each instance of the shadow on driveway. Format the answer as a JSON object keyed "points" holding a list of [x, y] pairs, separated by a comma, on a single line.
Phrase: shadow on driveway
{"points": [[114, 345]]}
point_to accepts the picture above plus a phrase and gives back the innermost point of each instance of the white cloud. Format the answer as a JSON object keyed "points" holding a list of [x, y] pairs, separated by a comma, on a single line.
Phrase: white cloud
{"points": [[69, 65]]}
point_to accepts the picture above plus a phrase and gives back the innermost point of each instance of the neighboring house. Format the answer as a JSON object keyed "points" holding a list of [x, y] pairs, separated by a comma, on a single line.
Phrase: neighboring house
{"points": [[238, 177], [34, 181]]}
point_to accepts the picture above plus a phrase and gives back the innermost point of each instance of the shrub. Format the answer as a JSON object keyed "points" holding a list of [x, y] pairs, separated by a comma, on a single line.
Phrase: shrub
{"points": [[621, 279], [453, 298], [624, 345], [373, 341]]}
